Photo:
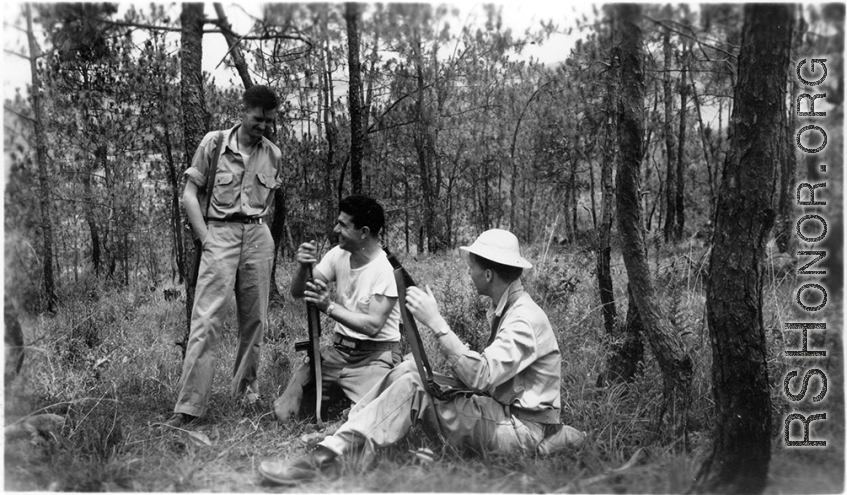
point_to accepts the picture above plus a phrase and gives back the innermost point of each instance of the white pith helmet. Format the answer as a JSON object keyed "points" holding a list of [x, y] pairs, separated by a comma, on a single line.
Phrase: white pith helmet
{"points": [[499, 246]]}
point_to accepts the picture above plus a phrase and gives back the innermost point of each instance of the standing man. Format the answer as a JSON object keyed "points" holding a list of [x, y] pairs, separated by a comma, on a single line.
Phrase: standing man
{"points": [[516, 379], [367, 320], [237, 250]]}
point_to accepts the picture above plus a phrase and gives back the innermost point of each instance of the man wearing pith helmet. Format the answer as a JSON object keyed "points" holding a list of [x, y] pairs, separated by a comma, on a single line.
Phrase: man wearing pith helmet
{"points": [[513, 386]]}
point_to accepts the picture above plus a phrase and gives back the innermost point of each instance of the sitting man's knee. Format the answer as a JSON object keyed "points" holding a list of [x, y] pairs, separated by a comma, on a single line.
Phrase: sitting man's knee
{"points": [[407, 367]]}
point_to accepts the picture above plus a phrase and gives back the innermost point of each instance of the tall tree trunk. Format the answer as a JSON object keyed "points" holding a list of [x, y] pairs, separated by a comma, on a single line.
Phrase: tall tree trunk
{"points": [[670, 141], [369, 92], [88, 213], [679, 200], [354, 96], [422, 147], [193, 110], [573, 196], [41, 164], [674, 362], [604, 234], [742, 440], [234, 50], [708, 152], [625, 347], [785, 239], [331, 131], [173, 176], [784, 228]]}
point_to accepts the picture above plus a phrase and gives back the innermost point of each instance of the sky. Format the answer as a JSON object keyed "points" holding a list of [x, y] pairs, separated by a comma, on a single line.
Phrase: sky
{"points": [[517, 15]]}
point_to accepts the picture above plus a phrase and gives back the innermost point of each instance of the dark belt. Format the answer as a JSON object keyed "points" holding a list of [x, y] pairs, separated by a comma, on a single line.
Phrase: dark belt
{"points": [[348, 344], [545, 416], [256, 220]]}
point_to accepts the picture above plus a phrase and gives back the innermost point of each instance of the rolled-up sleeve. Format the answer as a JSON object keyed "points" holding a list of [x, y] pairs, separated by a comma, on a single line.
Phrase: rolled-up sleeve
{"points": [[196, 173], [511, 352]]}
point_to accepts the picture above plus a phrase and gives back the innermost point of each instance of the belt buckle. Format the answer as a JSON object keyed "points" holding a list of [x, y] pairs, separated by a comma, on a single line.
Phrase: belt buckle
{"points": [[346, 343]]}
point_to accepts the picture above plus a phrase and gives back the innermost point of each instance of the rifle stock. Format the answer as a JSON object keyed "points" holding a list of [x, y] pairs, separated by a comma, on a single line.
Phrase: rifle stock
{"points": [[313, 349]]}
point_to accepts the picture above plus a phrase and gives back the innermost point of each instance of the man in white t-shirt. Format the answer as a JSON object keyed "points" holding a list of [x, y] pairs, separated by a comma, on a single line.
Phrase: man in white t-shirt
{"points": [[367, 320]]}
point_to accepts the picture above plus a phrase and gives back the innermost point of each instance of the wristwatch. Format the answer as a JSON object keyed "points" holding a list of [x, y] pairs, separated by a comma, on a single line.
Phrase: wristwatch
{"points": [[441, 331], [330, 308]]}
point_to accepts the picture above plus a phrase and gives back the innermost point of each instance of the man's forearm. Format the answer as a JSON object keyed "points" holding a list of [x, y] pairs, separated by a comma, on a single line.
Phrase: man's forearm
{"points": [[192, 210], [450, 344]]}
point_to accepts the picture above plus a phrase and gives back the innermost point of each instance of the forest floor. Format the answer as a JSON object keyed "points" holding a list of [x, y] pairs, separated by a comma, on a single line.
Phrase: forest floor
{"points": [[107, 363]]}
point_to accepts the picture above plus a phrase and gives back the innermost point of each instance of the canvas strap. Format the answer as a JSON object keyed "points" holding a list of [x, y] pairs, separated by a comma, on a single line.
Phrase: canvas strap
{"points": [[213, 170]]}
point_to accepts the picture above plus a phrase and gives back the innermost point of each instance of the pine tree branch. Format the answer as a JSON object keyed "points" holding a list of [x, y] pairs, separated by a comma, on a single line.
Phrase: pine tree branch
{"points": [[693, 38]]}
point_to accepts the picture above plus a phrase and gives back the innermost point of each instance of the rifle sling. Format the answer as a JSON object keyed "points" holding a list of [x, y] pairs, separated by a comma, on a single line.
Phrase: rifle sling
{"points": [[413, 336]]}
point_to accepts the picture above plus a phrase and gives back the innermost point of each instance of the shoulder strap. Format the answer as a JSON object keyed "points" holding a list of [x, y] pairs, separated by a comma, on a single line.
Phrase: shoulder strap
{"points": [[213, 170]]}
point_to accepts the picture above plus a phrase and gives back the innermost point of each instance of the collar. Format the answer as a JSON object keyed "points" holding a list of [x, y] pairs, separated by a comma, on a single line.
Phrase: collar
{"points": [[512, 292], [232, 139]]}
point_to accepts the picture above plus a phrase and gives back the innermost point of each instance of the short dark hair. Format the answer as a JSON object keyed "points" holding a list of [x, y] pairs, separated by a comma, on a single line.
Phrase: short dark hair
{"points": [[365, 212], [506, 272], [260, 97]]}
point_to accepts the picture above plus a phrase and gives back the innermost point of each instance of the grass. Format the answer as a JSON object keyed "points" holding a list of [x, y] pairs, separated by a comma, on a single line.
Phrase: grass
{"points": [[106, 361]]}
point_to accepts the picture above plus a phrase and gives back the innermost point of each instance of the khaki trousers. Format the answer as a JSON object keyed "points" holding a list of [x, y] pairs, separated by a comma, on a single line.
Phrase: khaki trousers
{"points": [[473, 422], [355, 372], [235, 256]]}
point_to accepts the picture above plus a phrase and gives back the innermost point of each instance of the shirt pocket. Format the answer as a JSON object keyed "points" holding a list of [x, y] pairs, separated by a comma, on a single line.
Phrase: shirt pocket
{"points": [[224, 190], [262, 187]]}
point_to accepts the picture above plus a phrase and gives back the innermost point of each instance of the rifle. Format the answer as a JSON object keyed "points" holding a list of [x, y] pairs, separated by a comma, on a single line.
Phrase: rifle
{"points": [[437, 385], [313, 349], [194, 271]]}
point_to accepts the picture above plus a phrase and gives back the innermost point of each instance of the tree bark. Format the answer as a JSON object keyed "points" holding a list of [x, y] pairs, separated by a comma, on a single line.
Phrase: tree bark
{"points": [[784, 235], [41, 163], [674, 361], [742, 440], [354, 96], [193, 109]]}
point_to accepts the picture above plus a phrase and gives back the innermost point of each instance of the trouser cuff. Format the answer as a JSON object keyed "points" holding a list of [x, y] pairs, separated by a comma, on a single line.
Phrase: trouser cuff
{"points": [[335, 444], [188, 409]]}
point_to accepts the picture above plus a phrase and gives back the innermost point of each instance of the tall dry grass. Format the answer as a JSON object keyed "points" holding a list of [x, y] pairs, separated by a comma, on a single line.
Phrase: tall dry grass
{"points": [[106, 361]]}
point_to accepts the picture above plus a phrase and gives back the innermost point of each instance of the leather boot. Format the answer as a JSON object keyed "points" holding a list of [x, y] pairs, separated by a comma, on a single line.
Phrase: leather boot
{"points": [[321, 462]]}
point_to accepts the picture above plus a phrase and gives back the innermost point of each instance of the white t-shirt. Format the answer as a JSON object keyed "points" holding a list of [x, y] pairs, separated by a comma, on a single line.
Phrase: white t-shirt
{"points": [[354, 289]]}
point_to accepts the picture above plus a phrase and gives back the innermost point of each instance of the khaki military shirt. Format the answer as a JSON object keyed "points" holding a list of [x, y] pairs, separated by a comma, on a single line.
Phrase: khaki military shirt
{"points": [[244, 179]]}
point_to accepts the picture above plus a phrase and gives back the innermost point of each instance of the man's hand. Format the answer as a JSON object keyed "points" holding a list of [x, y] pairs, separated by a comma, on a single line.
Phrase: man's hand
{"points": [[307, 253], [423, 307], [317, 293]]}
